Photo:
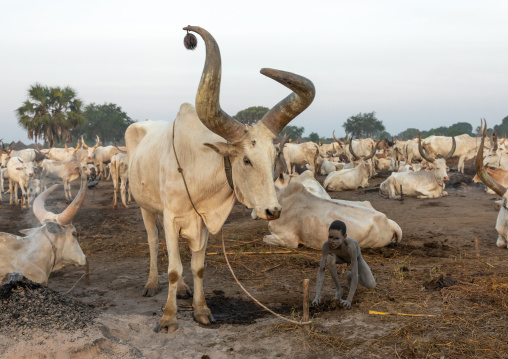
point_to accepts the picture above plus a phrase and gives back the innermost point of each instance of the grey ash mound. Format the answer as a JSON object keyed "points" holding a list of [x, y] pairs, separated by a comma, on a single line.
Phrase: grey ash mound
{"points": [[27, 305]]}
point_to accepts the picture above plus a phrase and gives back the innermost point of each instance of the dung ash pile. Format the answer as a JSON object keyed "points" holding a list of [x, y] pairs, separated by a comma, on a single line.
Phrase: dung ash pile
{"points": [[26, 305]]}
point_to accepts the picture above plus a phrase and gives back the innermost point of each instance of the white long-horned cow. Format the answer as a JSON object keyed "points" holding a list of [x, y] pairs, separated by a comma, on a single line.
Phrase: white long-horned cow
{"points": [[47, 248], [301, 154], [499, 189], [100, 156], [466, 147], [120, 174], [352, 178], [421, 184], [63, 154], [178, 171], [296, 226], [20, 173], [27, 155], [68, 171]]}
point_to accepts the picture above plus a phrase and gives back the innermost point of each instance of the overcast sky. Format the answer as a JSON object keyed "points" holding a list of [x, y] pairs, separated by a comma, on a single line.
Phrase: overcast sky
{"points": [[418, 64]]}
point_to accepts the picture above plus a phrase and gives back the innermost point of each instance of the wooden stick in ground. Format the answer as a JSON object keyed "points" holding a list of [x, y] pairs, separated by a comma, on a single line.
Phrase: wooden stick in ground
{"points": [[401, 194], [305, 318], [476, 247]]}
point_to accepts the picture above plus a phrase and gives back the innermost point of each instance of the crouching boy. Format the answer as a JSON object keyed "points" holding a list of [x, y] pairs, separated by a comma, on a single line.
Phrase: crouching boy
{"points": [[337, 250]]}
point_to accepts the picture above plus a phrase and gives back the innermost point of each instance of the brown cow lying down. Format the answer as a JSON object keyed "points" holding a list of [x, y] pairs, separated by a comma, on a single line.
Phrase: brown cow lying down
{"points": [[307, 216]]}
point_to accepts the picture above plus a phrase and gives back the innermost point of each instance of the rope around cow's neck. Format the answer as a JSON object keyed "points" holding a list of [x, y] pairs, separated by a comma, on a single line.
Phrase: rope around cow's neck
{"points": [[250, 296]]}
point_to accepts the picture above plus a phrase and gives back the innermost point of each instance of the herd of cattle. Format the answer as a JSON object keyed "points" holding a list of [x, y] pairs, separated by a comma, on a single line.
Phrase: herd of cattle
{"points": [[188, 174]]}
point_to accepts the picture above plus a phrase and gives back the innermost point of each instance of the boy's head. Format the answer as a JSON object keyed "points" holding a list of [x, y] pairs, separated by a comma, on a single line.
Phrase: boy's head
{"points": [[337, 233]]}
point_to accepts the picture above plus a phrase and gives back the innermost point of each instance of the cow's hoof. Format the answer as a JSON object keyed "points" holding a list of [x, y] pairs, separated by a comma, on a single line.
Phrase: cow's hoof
{"points": [[204, 319], [171, 328], [150, 292]]}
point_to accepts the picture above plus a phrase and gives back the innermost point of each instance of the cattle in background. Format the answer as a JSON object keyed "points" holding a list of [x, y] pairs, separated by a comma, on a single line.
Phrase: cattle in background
{"points": [[67, 171], [27, 155], [411, 151], [100, 156], [308, 213], [421, 184], [352, 178], [20, 172], [63, 154], [301, 154], [326, 166], [499, 189], [47, 248], [328, 149], [199, 146], [466, 147], [120, 173]]}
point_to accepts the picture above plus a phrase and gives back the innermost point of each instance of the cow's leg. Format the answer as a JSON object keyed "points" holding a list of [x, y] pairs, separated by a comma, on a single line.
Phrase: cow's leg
{"points": [[115, 191], [501, 242], [175, 270], [460, 166], [123, 189], [202, 313], [11, 190], [152, 285]]}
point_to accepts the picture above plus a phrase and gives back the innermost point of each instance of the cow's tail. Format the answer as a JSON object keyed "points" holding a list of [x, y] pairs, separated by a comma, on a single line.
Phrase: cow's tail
{"points": [[397, 232]]}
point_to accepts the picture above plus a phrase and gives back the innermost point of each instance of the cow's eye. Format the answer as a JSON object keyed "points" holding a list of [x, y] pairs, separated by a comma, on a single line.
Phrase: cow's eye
{"points": [[246, 161]]}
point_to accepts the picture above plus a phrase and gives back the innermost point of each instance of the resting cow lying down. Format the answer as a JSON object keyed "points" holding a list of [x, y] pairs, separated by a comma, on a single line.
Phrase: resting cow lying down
{"points": [[308, 213], [47, 248]]}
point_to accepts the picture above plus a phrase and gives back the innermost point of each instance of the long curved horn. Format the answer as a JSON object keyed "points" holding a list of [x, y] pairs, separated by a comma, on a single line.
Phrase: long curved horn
{"points": [[66, 149], [422, 152], [40, 211], [348, 139], [118, 148], [335, 138], [78, 146], [372, 153], [353, 152], [293, 104], [454, 145], [83, 142], [482, 174], [207, 98], [65, 218], [495, 143], [97, 144]]}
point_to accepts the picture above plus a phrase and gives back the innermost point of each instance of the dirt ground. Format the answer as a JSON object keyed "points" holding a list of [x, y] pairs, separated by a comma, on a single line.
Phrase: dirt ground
{"points": [[437, 271]]}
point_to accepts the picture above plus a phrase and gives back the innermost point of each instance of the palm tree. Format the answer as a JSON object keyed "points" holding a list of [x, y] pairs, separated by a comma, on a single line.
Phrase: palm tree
{"points": [[50, 113]]}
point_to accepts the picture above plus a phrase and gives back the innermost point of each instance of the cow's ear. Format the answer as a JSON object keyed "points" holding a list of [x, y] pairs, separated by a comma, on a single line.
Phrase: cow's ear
{"points": [[54, 227], [223, 149]]}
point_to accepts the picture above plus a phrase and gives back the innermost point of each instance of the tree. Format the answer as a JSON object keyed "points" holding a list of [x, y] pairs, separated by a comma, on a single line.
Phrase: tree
{"points": [[502, 129], [314, 137], [50, 113], [107, 121], [294, 132], [408, 134], [364, 125], [251, 115]]}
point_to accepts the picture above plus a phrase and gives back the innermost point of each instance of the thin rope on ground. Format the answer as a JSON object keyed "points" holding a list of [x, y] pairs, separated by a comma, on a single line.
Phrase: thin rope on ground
{"points": [[250, 296]]}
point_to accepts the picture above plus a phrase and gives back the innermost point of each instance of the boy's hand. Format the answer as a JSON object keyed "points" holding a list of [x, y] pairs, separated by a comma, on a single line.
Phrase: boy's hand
{"points": [[346, 304], [316, 300]]}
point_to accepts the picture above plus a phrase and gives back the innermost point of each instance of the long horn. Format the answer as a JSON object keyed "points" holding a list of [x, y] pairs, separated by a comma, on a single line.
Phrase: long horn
{"points": [[291, 106], [422, 152], [372, 153], [118, 148], [347, 138], [353, 152], [454, 145], [78, 146], [83, 142], [495, 143], [335, 138], [40, 211], [97, 144], [65, 218], [66, 149], [207, 98], [482, 174]]}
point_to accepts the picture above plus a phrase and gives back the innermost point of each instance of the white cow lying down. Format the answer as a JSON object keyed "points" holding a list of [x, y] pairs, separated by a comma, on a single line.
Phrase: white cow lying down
{"points": [[306, 218]]}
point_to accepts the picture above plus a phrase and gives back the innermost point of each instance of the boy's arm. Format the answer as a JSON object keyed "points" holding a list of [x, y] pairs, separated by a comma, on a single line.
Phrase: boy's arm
{"points": [[321, 273], [353, 253]]}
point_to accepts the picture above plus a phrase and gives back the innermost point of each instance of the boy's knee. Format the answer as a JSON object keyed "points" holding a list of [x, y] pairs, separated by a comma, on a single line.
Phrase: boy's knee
{"points": [[370, 283]]}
